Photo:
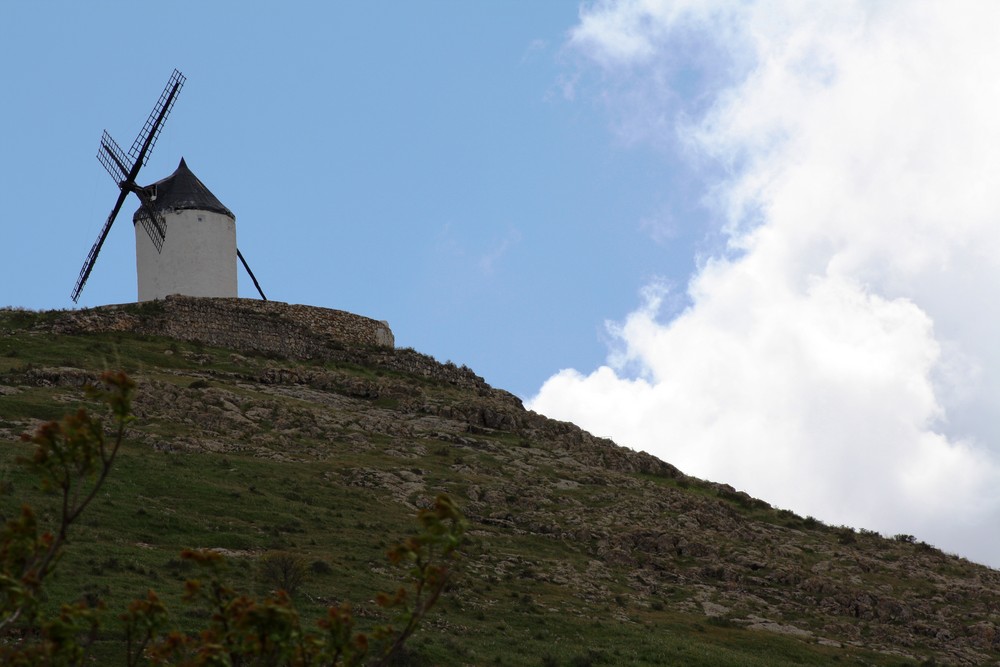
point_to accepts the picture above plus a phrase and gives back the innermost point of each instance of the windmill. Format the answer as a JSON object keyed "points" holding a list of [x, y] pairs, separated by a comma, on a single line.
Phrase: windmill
{"points": [[124, 169]]}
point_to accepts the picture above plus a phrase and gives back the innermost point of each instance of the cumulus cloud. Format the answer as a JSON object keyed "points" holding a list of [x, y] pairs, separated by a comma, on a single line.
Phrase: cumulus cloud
{"points": [[840, 357]]}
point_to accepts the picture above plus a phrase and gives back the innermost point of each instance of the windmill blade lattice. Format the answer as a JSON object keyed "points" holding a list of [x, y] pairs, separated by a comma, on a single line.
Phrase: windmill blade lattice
{"points": [[154, 124], [125, 168], [114, 159], [88, 265], [151, 220]]}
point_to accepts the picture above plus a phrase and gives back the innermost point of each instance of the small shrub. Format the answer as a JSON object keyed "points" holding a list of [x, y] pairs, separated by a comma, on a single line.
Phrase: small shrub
{"points": [[590, 658], [846, 536], [407, 657], [320, 567], [283, 571], [721, 622]]}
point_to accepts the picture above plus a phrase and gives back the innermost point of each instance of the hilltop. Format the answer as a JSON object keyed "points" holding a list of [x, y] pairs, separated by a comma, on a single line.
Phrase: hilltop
{"points": [[582, 551]]}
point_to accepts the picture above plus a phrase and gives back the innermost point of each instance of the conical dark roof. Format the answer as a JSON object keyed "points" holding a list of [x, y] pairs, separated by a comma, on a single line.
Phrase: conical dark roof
{"points": [[182, 190]]}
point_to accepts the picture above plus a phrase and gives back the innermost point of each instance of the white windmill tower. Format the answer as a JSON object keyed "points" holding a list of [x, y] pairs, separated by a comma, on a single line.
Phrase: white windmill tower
{"points": [[198, 253], [198, 258]]}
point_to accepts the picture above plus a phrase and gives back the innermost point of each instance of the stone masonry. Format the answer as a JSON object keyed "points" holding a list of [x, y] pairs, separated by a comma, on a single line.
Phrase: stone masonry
{"points": [[247, 325]]}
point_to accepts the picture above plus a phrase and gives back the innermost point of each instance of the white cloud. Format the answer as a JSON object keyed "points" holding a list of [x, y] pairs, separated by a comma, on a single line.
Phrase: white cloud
{"points": [[842, 359], [633, 32]]}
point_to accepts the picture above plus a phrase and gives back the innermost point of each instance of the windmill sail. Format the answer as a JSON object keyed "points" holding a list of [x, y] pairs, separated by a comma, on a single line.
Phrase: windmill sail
{"points": [[88, 265], [146, 139], [151, 220], [114, 159], [125, 168]]}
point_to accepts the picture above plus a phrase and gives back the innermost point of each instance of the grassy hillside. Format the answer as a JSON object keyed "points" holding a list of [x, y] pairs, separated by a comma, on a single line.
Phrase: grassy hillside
{"points": [[580, 552]]}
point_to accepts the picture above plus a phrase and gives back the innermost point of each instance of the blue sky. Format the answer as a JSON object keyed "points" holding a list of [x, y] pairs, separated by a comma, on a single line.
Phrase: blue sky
{"points": [[759, 239], [413, 162]]}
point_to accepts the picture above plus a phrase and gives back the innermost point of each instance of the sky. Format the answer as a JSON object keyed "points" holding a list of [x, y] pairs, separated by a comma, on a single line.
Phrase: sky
{"points": [[756, 239]]}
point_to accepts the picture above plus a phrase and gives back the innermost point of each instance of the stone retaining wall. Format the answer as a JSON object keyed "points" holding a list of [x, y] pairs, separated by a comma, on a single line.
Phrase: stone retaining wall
{"points": [[246, 325]]}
